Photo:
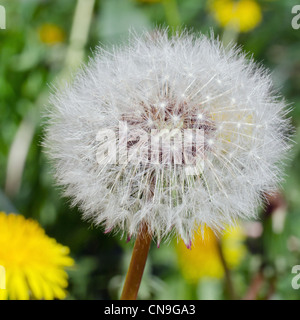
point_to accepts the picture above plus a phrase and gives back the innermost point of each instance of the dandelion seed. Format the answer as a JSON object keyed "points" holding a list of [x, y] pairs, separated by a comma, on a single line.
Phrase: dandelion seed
{"points": [[162, 105], [210, 142]]}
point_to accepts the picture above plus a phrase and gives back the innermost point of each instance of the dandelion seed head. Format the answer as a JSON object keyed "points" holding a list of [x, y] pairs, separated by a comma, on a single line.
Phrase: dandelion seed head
{"points": [[176, 85]]}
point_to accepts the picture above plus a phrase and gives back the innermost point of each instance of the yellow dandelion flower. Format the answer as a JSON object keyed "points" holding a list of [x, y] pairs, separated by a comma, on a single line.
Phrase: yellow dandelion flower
{"points": [[33, 262], [51, 34], [203, 260], [243, 15]]}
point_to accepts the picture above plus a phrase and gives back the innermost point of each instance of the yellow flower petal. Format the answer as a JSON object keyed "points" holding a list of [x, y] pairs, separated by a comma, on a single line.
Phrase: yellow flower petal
{"points": [[243, 15], [51, 34], [34, 263], [203, 259]]}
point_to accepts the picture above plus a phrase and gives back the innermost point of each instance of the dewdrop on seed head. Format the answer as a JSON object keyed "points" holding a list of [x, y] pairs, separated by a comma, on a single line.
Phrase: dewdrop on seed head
{"points": [[194, 142]]}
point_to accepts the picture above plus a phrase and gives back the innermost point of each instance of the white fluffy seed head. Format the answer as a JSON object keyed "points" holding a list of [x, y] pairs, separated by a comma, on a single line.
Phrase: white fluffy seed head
{"points": [[182, 83]]}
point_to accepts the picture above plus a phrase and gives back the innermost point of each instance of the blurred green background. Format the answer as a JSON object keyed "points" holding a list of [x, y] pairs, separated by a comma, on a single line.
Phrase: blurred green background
{"points": [[44, 42]]}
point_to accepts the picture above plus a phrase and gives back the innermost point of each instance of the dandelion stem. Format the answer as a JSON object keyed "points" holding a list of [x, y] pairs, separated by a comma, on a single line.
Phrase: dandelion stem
{"points": [[172, 13], [229, 284], [230, 36], [137, 264], [255, 286]]}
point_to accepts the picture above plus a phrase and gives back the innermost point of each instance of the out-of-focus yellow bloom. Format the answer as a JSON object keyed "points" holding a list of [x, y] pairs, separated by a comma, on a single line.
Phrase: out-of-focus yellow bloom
{"points": [[243, 15], [51, 34], [203, 260], [34, 263]]}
